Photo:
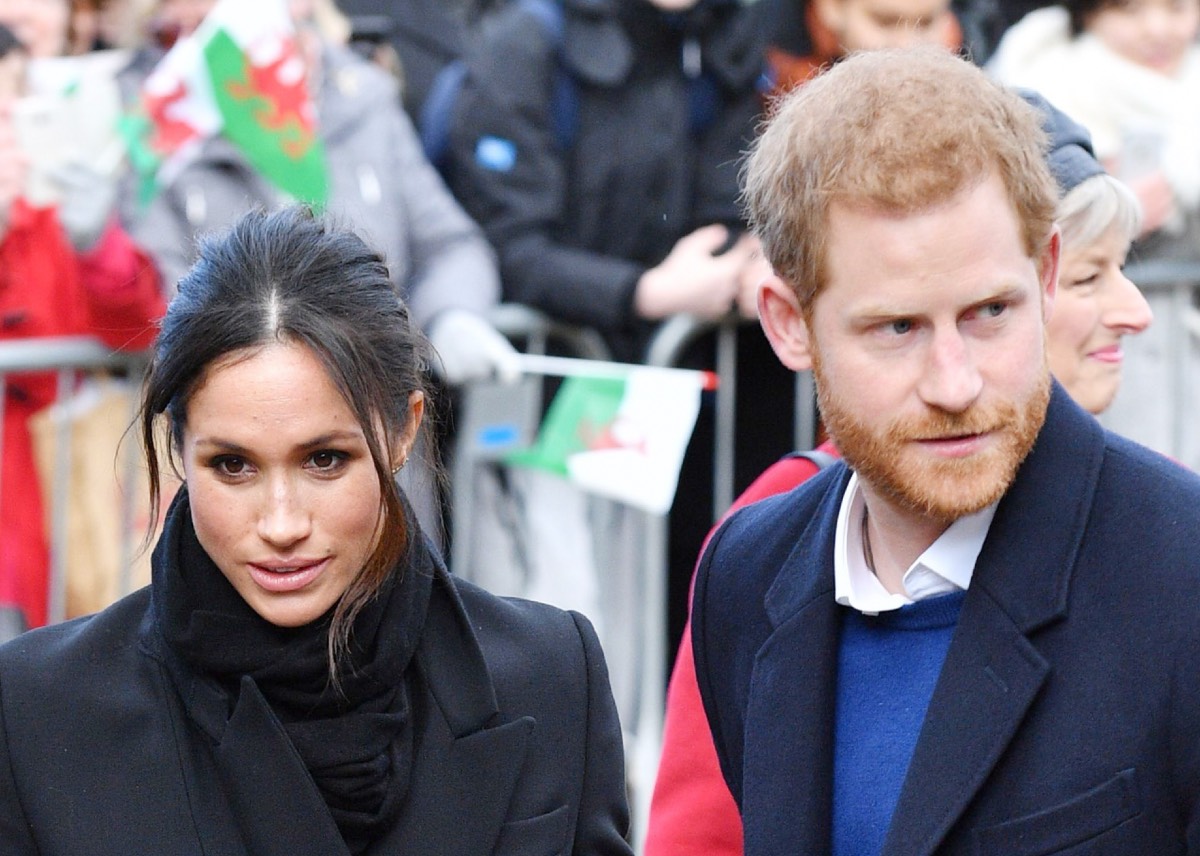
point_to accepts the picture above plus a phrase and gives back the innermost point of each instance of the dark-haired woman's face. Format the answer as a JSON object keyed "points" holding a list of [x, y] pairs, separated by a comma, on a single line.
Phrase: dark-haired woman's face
{"points": [[284, 494]]}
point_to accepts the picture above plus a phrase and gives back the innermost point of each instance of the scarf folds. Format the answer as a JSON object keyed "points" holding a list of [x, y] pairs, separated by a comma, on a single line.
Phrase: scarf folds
{"points": [[356, 740]]}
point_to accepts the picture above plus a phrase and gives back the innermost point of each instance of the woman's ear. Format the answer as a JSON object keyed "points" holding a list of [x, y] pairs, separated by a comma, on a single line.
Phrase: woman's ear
{"points": [[784, 324], [402, 443]]}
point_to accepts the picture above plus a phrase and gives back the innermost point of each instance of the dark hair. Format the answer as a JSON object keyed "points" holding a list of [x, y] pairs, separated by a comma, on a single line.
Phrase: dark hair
{"points": [[1080, 11], [288, 276], [9, 42]]}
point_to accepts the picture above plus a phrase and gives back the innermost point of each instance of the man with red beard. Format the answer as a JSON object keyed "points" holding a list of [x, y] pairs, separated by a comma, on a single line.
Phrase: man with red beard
{"points": [[931, 648]]}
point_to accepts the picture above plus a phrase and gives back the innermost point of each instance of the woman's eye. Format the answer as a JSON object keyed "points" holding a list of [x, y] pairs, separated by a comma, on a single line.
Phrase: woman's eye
{"points": [[327, 459], [229, 465]]}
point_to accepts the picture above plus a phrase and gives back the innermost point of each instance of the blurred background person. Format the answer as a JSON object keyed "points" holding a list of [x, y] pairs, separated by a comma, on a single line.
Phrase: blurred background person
{"points": [[46, 289], [809, 35], [597, 142], [1130, 72]]}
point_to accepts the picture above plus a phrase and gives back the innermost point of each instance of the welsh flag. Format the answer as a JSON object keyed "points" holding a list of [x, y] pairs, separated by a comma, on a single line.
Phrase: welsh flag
{"points": [[620, 436], [239, 75]]}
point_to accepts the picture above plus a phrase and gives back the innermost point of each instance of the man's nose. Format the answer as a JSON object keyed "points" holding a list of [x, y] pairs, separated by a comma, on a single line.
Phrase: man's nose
{"points": [[951, 381]]}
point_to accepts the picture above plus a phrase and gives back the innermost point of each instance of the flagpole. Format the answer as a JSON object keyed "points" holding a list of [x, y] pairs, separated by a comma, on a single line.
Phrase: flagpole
{"points": [[603, 369]]}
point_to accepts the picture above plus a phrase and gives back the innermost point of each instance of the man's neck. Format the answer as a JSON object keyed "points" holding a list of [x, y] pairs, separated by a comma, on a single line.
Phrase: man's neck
{"points": [[894, 537]]}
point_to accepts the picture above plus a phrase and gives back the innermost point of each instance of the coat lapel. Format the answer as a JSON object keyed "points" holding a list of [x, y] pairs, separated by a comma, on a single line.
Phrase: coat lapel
{"points": [[468, 757], [789, 763], [270, 792], [993, 671]]}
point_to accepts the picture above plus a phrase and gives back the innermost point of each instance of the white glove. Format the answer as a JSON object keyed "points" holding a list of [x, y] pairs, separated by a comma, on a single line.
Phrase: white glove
{"points": [[87, 200], [469, 348]]}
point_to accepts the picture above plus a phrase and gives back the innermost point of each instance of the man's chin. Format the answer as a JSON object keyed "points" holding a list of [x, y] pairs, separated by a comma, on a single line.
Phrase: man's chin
{"points": [[947, 490]]}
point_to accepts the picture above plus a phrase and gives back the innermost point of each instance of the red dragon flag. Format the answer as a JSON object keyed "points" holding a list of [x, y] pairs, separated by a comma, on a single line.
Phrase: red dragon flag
{"points": [[240, 75]]}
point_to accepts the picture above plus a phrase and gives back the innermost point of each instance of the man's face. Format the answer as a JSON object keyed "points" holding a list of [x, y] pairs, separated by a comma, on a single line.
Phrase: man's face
{"points": [[928, 350], [865, 25]]}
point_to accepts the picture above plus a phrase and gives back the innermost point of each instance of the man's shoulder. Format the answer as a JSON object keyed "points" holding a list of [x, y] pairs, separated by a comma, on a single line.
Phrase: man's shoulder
{"points": [[748, 552], [784, 516]]}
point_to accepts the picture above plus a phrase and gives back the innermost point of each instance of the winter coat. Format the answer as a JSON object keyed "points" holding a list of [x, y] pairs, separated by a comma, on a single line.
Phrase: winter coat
{"points": [[586, 158], [111, 292], [516, 744], [1066, 717]]}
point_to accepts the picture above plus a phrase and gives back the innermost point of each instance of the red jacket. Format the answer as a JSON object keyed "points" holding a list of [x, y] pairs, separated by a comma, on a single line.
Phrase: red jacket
{"points": [[46, 289], [691, 811]]}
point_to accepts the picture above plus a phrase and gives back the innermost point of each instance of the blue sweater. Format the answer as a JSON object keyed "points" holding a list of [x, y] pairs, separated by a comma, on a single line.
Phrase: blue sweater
{"points": [[887, 668]]}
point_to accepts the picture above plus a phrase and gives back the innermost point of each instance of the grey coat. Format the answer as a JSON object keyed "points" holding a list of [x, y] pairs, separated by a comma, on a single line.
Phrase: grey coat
{"points": [[381, 185]]}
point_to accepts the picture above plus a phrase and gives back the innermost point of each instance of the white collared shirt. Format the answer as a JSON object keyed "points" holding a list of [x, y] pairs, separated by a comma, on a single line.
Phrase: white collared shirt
{"points": [[945, 566]]}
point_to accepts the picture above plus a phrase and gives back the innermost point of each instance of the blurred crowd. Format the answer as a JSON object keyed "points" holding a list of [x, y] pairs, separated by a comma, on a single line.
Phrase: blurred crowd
{"points": [[579, 157]]}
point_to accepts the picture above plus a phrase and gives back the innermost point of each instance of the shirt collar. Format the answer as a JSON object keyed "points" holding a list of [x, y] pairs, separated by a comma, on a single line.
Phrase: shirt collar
{"points": [[946, 565]]}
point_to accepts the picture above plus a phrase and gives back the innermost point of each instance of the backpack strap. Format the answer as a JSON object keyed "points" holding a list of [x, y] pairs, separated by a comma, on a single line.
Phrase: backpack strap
{"points": [[437, 113]]}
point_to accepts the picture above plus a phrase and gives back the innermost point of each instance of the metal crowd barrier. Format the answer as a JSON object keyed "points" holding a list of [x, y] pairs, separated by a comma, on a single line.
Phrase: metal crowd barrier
{"points": [[69, 357], [634, 563], [1179, 283]]}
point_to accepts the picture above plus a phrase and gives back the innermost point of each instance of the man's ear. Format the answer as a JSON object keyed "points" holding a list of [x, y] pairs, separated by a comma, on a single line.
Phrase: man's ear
{"points": [[1048, 271], [784, 324]]}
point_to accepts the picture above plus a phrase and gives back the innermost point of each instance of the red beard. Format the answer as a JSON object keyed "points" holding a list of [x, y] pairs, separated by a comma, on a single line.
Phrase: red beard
{"points": [[944, 489]]}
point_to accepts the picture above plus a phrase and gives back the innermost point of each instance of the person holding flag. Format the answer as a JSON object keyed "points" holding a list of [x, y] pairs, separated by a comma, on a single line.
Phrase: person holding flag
{"points": [[254, 108]]}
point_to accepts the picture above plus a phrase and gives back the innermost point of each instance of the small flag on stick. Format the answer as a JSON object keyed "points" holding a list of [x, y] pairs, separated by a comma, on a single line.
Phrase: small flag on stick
{"points": [[619, 431]]}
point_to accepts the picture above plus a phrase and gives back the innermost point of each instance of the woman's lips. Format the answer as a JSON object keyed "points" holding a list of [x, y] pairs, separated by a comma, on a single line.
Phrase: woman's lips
{"points": [[283, 578], [1108, 354]]}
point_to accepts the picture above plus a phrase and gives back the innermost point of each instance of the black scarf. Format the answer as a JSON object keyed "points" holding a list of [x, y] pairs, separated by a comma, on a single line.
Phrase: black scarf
{"points": [[356, 742]]}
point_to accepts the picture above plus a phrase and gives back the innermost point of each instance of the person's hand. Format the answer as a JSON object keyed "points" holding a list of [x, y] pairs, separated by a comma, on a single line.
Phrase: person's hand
{"points": [[14, 165], [752, 276], [87, 197], [693, 280], [1157, 198], [469, 348]]}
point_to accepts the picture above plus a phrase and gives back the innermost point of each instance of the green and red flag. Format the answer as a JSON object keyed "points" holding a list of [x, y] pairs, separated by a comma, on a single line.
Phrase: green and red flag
{"points": [[618, 431], [240, 75]]}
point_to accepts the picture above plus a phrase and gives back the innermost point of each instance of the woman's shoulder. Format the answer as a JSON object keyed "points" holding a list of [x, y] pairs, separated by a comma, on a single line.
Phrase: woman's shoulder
{"points": [[516, 621], [82, 649]]}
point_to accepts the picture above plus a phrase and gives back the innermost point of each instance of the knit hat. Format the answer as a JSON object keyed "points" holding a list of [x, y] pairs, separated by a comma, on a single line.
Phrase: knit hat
{"points": [[1071, 157]]}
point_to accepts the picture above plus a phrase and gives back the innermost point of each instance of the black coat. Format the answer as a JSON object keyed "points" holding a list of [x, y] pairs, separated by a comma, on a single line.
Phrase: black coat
{"points": [[517, 747], [1066, 718], [578, 217]]}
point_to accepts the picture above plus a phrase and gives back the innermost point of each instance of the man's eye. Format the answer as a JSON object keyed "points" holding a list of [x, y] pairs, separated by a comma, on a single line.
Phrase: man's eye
{"points": [[901, 326], [992, 310]]}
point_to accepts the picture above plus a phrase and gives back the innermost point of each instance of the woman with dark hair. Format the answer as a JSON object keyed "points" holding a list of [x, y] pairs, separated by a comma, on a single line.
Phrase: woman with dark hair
{"points": [[302, 675]]}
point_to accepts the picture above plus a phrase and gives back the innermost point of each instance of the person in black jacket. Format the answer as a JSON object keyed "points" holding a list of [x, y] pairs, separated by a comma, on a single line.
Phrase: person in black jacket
{"points": [[302, 675], [598, 145], [599, 151]]}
